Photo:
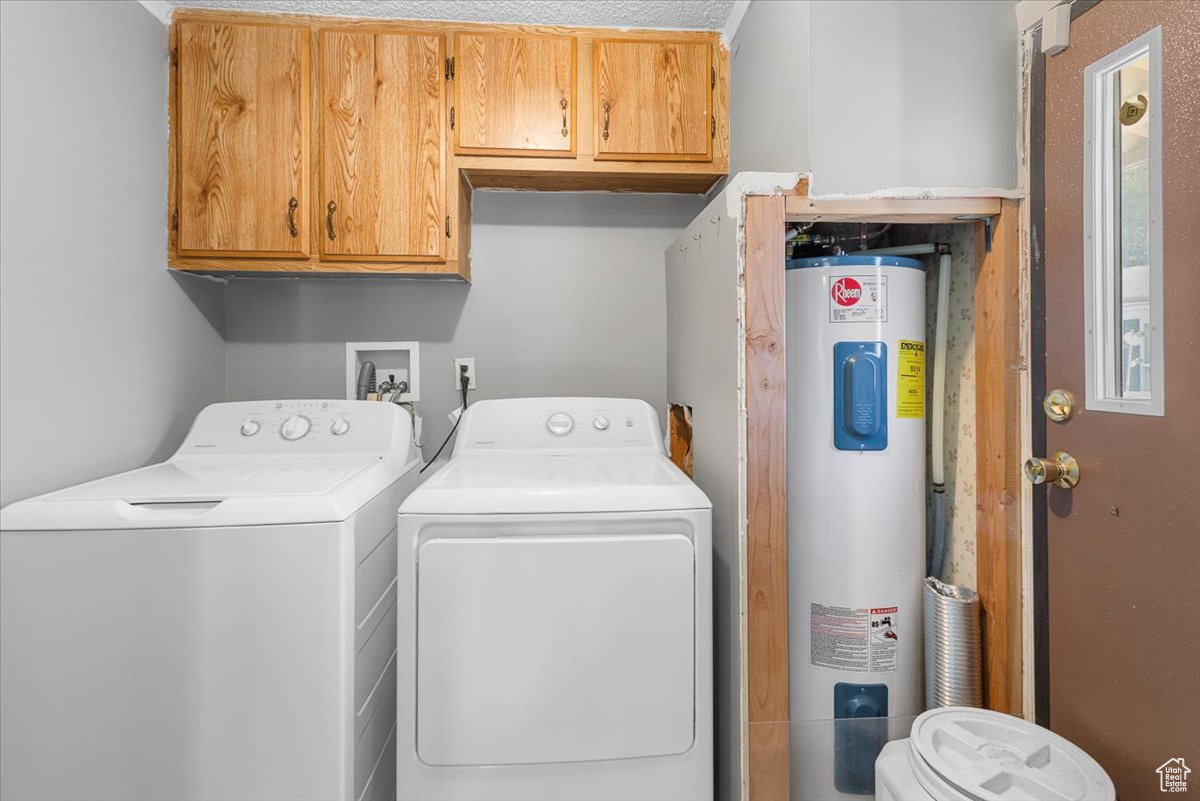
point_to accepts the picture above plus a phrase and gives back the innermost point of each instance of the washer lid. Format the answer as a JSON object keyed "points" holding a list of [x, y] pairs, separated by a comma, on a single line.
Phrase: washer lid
{"points": [[209, 492], [215, 478], [989, 756]]}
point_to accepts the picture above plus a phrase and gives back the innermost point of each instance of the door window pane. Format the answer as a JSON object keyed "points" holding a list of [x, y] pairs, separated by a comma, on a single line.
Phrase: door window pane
{"points": [[1132, 85], [1123, 229]]}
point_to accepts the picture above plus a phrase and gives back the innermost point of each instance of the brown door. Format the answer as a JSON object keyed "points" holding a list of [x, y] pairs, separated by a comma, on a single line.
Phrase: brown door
{"points": [[515, 95], [382, 146], [1122, 333], [653, 100], [243, 111]]}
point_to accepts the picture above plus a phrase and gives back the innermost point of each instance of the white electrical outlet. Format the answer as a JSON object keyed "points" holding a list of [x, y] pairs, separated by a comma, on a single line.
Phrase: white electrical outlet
{"points": [[470, 365]]}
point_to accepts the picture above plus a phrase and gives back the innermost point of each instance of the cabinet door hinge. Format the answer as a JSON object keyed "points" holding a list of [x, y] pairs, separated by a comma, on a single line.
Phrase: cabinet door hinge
{"points": [[175, 220], [452, 118], [713, 77], [447, 226], [174, 56], [712, 127], [449, 68]]}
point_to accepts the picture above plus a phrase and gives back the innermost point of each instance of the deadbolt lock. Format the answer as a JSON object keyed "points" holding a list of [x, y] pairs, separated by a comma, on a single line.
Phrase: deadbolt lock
{"points": [[1061, 470], [1059, 405]]}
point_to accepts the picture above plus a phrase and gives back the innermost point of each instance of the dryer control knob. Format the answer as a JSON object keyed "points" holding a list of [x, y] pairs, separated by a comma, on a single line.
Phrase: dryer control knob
{"points": [[340, 426], [250, 428], [600, 423], [560, 424], [294, 427]]}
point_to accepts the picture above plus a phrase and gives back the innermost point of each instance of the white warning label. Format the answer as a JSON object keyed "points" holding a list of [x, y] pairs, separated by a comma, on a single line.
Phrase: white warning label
{"points": [[858, 299], [859, 639], [884, 638]]}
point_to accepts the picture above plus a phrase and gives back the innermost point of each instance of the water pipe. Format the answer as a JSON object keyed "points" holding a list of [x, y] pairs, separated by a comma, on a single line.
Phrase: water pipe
{"points": [[938, 446]]}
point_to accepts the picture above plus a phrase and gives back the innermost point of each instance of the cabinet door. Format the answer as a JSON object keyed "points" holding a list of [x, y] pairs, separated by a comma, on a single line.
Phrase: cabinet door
{"points": [[243, 111], [382, 146], [653, 100], [514, 95]]}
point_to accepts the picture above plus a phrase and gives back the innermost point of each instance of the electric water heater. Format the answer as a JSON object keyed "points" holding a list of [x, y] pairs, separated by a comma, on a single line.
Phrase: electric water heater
{"points": [[856, 509]]}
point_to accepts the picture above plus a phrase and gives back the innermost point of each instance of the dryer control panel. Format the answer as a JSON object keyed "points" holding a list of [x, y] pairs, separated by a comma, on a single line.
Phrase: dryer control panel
{"points": [[299, 427], [559, 423]]}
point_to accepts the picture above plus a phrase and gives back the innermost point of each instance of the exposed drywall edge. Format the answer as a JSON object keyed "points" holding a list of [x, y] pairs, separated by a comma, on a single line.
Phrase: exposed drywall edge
{"points": [[754, 183], [736, 15], [735, 201], [924, 193], [161, 9], [1024, 179], [1030, 12]]}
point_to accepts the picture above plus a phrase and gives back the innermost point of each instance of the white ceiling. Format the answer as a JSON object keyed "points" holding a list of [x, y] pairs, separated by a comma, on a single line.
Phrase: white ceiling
{"points": [[698, 14]]}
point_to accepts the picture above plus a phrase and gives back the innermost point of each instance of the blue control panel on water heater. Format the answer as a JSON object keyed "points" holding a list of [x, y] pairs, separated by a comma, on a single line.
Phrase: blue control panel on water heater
{"points": [[860, 410]]}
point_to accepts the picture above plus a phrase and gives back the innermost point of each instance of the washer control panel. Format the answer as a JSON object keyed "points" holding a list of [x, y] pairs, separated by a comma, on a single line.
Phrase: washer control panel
{"points": [[559, 423], [298, 426]]}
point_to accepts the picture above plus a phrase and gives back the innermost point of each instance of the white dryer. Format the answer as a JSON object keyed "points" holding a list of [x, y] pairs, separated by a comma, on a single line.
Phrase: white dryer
{"points": [[555, 636], [218, 626]]}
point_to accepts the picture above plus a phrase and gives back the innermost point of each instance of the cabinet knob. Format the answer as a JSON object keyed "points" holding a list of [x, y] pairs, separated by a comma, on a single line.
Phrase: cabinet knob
{"points": [[291, 217], [329, 210]]}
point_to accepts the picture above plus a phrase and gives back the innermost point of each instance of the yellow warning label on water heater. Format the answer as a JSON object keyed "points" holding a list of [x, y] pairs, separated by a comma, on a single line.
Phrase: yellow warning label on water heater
{"points": [[910, 387]]}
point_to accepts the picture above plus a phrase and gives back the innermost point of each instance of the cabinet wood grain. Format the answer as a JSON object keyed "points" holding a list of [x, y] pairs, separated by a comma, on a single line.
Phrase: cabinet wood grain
{"points": [[514, 94], [383, 161], [390, 147], [653, 100], [243, 147]]}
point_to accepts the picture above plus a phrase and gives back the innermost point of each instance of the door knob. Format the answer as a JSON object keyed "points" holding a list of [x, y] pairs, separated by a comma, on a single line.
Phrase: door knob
{"points": [[1061, 469]]}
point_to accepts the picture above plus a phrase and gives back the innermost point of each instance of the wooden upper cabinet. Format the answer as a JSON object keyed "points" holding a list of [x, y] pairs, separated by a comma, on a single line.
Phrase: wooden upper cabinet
{"points": [[243, 138], [514, 94], [653, 100], [383, 159]]}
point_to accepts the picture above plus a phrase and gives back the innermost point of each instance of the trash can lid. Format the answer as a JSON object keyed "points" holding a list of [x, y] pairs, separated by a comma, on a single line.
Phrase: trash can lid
{"points": [[977, 755]]}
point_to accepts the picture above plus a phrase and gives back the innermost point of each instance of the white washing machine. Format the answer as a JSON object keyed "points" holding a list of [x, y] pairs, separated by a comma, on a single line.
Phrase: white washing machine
{"points": [[555, 636], [218, 626], [963, 754]]}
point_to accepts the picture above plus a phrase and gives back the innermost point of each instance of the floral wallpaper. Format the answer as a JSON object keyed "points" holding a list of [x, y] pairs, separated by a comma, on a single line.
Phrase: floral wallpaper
{"points": [[960, 390]]}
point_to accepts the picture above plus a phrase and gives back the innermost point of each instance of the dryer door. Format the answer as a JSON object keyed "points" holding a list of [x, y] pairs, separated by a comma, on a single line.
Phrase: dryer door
{"points": [[555, 648]]}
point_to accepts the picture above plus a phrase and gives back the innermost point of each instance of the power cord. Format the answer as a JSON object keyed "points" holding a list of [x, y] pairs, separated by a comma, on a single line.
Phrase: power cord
{"points": [[464, 381]]}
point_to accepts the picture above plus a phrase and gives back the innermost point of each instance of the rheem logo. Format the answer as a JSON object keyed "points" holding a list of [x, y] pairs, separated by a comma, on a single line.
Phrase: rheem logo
{"points": [[846, 291]]}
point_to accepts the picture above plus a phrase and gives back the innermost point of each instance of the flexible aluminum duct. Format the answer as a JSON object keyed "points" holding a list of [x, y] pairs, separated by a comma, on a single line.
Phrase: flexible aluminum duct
{"points": [[953, 658]]}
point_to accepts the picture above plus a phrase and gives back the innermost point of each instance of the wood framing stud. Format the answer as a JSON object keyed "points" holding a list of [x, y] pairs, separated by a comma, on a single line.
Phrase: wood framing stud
{"points": [[766, 437], [893, 210], [998, 424]]}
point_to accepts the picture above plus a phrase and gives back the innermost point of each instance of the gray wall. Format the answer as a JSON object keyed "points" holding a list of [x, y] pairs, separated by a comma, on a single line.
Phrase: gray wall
{"points": [[768, 94], [702, 372], [567, 298], [105, 358], [874, 94], [915, 93]]}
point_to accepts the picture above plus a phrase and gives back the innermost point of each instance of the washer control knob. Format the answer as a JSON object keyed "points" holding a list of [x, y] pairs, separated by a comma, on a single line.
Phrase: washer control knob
{"points": [[294, 427], [340, 426], [560, 424], [250, 428], [600, 423]]}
